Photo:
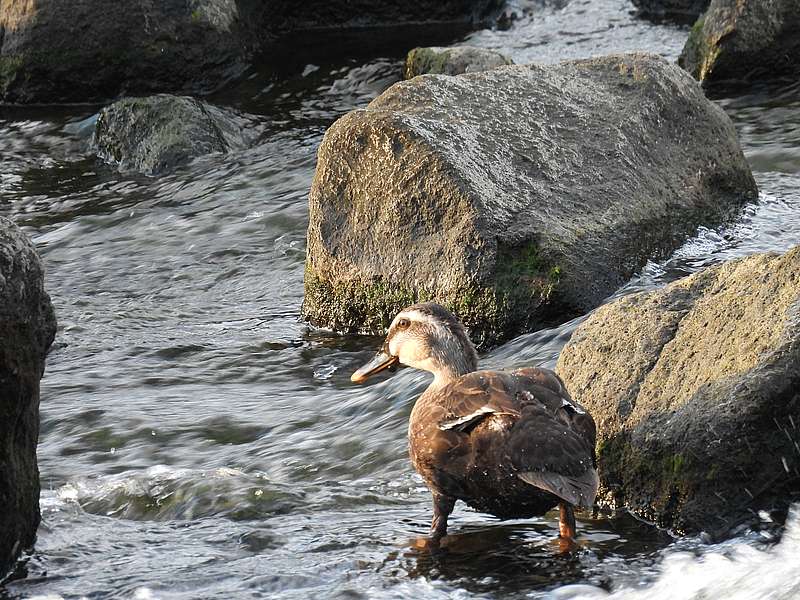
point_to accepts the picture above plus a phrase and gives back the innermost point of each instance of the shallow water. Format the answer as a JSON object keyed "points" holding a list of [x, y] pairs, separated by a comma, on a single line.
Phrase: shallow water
{"points": [[199, 440]]}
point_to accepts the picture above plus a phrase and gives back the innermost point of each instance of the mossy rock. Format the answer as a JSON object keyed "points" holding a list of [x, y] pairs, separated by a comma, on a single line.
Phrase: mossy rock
{"points": [[452, 61], [485, 193], [695, 389], [10, 66], [491, 312], [155, 134], [739, 41]]}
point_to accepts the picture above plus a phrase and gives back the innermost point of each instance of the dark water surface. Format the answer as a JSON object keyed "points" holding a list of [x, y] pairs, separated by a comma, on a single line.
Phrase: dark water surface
{"points": [[199, 441]]}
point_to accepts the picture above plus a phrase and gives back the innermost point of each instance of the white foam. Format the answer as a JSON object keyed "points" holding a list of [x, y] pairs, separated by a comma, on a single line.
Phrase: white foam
{"points": [[734, 570]]}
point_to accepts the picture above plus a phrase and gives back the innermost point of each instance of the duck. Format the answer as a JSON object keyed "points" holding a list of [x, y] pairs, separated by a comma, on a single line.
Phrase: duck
{"points": [[512, 444]]}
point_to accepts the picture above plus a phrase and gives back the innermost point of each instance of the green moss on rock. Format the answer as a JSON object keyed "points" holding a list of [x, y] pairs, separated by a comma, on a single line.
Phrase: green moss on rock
{"points": [[424, 60], [659, 480], [451, 61], [493, 313], [700, 52], [9, 69], [354, 306]]}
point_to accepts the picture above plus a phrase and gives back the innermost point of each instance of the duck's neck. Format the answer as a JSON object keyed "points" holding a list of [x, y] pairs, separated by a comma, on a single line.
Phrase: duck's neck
{"points": [[446, 371]]}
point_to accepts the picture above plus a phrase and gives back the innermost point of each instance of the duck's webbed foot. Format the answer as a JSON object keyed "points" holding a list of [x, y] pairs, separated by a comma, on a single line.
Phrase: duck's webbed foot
{"points": [[442, 507]]}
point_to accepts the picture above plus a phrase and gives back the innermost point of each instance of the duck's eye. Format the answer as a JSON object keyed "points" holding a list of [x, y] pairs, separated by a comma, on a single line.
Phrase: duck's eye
{"points": [[403, 324]]}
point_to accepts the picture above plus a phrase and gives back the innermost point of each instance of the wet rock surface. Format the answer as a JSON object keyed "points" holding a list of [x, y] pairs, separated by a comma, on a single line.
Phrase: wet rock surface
{"points": [[155, 134], [738, 41], [27, 328], [452, 61], [99, 50], [514, 194], [682, 11], [696, 392]]}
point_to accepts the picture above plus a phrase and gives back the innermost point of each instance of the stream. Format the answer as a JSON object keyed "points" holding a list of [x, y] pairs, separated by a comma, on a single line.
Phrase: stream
{"points": [[199, 440]]}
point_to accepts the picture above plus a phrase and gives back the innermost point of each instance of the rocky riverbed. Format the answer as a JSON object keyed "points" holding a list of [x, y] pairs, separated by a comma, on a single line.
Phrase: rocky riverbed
{"points": [[199, 439]]}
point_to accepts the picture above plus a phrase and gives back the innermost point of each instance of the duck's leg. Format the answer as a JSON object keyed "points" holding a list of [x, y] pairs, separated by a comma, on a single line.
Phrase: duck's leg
{"points": [[442, 507], [566, 521]]}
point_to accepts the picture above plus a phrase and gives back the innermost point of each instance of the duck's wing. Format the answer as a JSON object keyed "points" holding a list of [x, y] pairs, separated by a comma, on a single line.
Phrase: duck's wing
{"points": [[550, 437], [547, 388], [477, 396]]}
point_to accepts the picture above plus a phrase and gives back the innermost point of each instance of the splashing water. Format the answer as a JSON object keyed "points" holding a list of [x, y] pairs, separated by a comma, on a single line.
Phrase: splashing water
{"points": [[733, 570]]}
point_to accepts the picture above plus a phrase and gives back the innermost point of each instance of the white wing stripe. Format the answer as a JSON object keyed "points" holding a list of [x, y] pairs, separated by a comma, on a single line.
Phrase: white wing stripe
{"points": [[454, 423]]}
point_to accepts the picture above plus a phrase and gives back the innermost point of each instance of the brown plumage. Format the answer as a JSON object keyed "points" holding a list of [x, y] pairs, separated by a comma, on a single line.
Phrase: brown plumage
{"points": [[512, 444]]}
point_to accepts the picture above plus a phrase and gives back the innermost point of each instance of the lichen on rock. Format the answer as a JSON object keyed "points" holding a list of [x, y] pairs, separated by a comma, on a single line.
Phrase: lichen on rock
{"points": [[695, 389]]}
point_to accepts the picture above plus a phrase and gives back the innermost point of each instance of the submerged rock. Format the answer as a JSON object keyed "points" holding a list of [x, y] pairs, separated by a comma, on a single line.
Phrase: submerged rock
{"points": [[695, 389], [99, 49], [157, 133], [514, 195], [452, 61], [682, 11], [27, 328], [743, 40]]}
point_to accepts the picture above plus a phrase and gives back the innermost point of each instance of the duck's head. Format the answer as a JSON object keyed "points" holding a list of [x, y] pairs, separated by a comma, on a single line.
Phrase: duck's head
{"points": [[424, 336]]}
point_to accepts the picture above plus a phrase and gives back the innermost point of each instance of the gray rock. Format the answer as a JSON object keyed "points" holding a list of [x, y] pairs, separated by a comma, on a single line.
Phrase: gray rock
{"points": [[682, 11], [516, 195], [695, 389], [155, 134], [452, 61], [27, 328], [738, 41], [99, 49]]}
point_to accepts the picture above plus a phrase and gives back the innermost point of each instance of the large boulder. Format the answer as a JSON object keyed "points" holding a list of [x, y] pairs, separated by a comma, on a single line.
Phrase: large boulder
{"points": [[695, 389], [452, 61], [27, 328], [682, 11], [97, 49], [737, 41], [514, 195], [155, 134]]}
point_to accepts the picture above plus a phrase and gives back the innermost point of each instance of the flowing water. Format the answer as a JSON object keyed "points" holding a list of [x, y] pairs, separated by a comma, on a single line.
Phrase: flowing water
{"points": [[199, 440]]}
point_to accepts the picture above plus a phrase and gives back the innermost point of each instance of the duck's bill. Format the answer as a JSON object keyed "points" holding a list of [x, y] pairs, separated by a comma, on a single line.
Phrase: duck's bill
{"points": [[379, 362]]}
